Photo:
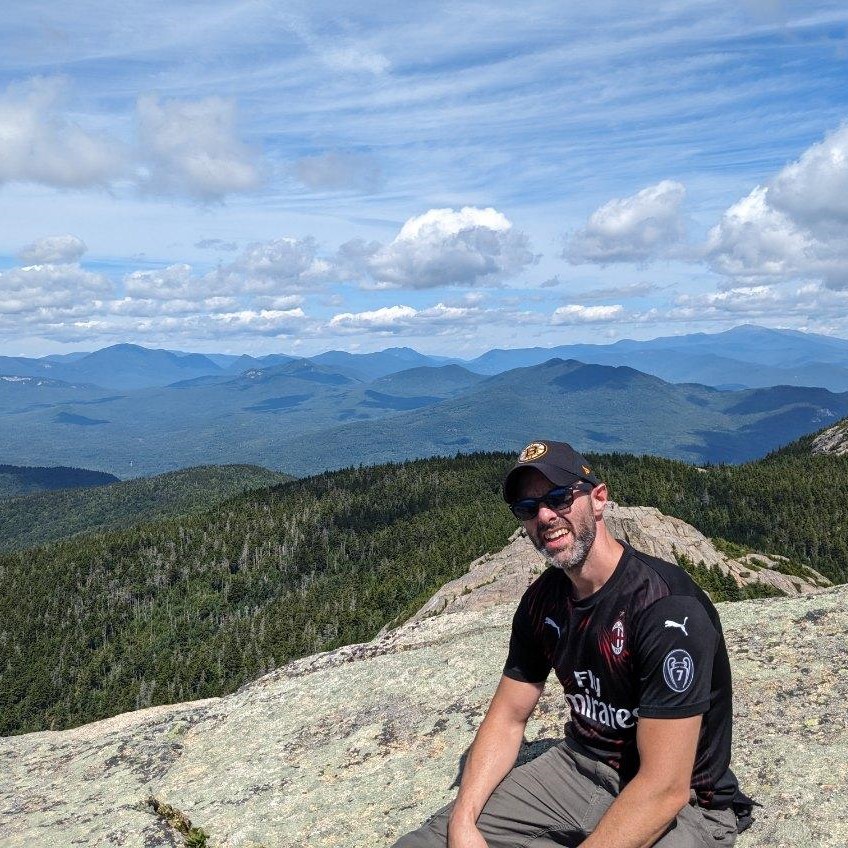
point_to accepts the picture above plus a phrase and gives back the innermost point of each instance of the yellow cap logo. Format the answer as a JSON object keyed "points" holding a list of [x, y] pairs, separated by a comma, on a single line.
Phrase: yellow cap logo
{"points": [[533, 451], [586, 471]]}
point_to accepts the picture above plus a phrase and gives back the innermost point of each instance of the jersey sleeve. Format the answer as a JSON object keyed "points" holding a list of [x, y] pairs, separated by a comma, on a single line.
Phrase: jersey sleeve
{"points": [[676, 645], [526, 661]]}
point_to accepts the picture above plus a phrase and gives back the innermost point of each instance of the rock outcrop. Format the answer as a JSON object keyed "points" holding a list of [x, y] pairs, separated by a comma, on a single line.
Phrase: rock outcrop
{"points": [[353, 747], [833, 440], [501, 577]]}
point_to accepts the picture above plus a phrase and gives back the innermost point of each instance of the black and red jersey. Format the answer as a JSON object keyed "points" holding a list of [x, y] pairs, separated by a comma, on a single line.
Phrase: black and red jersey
{"points": [[647, 643]]}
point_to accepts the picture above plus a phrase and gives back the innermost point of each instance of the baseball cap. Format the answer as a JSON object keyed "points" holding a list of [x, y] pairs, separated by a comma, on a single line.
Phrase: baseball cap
{"points": [[558, 461]]}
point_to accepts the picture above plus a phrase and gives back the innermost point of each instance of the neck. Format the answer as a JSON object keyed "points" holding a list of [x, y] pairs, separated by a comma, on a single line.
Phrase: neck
{"points": [[599, 565]]}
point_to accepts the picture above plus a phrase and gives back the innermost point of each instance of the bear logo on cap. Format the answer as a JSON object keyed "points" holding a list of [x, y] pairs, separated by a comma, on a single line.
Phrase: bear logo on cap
{"points": [[533, 451]]}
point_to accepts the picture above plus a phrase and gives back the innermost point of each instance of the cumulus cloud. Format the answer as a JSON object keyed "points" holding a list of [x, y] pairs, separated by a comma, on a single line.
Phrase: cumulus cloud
{"points": [[814, 190], [637, 228], [55, 250], [400, 319], [339, 171], [191, 148], [264, 322], [443, 247], [793, 227], [755, 239], [575, 313], [39, 144], [175, 281], [35, 288], [277, 265]]}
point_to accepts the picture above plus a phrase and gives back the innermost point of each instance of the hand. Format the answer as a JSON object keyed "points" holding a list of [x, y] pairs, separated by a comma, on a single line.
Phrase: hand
{"points": [[464, 834]]}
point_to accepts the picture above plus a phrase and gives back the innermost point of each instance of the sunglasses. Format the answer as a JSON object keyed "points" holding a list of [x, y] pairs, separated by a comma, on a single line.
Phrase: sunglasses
{"points": [[558, 499]]}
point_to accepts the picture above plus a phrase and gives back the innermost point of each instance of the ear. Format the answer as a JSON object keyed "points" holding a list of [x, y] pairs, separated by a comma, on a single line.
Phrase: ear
{"points": [[599, 497]]}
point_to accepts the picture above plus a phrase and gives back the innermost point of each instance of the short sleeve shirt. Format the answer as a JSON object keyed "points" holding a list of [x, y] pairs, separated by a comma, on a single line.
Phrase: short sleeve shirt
{"points": [[647, 644]]}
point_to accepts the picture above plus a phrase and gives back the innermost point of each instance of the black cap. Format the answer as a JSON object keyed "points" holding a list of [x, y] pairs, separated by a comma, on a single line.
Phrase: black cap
{"points": [[558, 461]]}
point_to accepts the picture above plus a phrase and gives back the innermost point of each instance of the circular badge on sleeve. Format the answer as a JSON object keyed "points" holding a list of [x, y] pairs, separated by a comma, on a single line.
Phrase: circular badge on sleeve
{"points": [[678, 670]]}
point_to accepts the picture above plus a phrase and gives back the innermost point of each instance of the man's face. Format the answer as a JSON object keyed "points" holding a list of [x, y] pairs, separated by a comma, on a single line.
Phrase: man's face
{"points": [[563, 538]]}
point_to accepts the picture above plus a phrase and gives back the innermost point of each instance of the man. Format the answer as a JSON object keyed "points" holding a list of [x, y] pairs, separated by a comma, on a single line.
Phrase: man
{"points": [[639, 651]]}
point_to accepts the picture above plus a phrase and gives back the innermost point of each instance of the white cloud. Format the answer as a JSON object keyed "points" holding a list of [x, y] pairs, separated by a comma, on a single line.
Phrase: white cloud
{"points": [[754, 239], [54, 250], [575, 313], [275, 265], [175, 281], [191, 148], [54, 287], [814, 190], [266, 322], [795, 227], [337, 171], [443, 247], [810, 306], [38, 144], [400, 319], [631, 229], [385, 318]]}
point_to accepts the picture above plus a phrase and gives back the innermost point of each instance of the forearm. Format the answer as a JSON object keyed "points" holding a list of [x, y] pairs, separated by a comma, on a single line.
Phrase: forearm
{"points": [[489, 760], [639, 815]]}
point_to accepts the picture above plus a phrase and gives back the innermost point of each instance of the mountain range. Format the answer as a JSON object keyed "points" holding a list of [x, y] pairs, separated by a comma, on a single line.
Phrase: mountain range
{"points": [[302, 417], [747, 356]]}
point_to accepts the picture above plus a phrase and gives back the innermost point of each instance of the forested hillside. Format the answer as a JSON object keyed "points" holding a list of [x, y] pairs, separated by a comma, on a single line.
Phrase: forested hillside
{"points": [[44, 517], [181, 609]]}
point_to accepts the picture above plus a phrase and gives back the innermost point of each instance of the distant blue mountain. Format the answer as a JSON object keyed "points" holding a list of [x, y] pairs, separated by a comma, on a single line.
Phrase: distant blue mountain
{"points": [[304, 417], [744, 357], [370, 366]]}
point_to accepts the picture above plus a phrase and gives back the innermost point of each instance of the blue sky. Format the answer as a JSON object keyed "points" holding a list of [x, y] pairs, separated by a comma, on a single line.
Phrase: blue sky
{"points": [[258, 177]]}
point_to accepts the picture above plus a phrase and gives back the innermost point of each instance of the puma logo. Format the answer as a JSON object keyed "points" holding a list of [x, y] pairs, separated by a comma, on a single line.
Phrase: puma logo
{"points": [[670, 623], [554, 625]]}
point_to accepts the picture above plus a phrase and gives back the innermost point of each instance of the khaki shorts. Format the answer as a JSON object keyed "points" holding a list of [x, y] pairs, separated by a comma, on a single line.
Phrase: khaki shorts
{"points": [[558, 799]]}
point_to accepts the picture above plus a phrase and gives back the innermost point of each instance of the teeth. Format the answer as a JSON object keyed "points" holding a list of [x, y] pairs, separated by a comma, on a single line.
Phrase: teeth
{"points": [[551, 535]]}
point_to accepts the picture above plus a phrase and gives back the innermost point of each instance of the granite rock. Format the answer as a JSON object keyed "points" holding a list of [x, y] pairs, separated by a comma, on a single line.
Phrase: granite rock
{"points": [[356, 746]]}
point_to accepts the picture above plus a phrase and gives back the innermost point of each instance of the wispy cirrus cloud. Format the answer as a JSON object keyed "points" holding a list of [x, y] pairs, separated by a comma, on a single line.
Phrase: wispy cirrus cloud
{"points": [[338, 171]]}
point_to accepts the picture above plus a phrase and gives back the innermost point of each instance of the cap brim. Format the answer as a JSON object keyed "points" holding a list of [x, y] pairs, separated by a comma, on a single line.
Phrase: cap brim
{"points": [[558, 476]]}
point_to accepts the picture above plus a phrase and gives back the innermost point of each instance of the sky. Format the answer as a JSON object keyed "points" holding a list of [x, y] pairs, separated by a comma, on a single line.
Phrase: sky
{"points": [[258, 177]]}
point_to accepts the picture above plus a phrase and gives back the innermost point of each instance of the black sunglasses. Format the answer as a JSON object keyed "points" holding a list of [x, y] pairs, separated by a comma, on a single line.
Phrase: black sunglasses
{"points": [[559, 498]]}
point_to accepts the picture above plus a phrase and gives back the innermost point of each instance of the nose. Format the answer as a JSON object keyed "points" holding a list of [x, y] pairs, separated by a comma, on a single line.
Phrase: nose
{"points": [[546, 514]]}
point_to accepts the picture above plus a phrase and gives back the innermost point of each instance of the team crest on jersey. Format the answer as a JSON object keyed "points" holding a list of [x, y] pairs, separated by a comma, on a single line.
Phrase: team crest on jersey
{"points": [[617, 637], [533, 451]]}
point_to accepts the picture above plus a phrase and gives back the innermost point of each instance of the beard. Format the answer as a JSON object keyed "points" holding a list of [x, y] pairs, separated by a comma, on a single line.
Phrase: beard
{"points": [[582, 539]]}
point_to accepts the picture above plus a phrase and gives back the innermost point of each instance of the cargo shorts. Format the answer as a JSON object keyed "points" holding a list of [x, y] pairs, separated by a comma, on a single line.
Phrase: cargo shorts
{"points": [[558, 800]]}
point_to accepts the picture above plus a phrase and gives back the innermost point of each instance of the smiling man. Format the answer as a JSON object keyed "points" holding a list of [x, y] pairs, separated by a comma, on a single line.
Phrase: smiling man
{"points": [[639, 651]]}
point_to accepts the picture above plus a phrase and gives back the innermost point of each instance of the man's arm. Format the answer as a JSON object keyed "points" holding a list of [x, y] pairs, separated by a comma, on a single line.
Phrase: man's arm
{"points": [[491, 756], [648, 804]]}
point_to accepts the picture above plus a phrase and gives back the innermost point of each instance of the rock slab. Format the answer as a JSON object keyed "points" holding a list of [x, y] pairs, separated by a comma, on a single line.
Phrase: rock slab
{"points": [[356, 746]]}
